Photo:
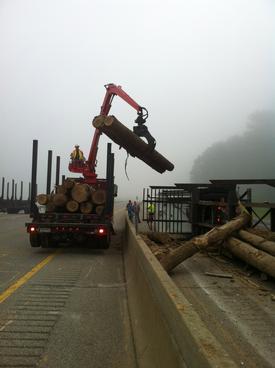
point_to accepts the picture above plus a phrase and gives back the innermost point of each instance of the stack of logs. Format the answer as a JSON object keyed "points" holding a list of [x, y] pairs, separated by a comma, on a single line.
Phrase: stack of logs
{"points": [[74, 197], [243, 243]]}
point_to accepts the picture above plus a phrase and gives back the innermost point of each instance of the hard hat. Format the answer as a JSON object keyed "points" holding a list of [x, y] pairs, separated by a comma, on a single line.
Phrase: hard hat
{"points": [[77, 145]]}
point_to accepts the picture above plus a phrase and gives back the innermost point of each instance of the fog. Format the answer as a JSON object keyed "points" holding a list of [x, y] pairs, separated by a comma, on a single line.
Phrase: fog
{"points": [[201, 68]]}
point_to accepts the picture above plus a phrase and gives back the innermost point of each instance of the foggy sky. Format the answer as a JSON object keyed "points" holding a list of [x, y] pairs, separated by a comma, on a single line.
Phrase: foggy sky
{"points": [[200, 67]]}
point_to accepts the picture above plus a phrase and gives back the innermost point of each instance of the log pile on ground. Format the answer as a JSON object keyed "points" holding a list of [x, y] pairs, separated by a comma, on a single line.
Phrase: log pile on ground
{"points": [[246, 245], [74, 197]]}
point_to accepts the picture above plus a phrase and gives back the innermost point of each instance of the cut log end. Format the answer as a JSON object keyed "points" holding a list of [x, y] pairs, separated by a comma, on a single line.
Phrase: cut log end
{"points": [[99, 196], [72, 206], [86, 207], [42, 199]]}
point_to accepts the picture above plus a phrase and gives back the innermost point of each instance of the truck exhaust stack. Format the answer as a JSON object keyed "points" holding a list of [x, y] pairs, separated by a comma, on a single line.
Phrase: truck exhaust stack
{"points": [[134, 145]]}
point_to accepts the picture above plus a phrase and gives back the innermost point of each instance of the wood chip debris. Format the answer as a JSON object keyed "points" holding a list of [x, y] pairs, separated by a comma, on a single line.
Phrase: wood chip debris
{"points": [[222, 275]]}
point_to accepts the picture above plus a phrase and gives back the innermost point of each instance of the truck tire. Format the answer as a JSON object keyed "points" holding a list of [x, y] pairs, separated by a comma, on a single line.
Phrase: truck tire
{"points": [[46, 241], [35, 240], [104, 242]]}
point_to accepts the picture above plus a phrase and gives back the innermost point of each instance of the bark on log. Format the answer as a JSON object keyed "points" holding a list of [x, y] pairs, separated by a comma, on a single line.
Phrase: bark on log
{"points": [[50, 207], [133, 144], [160, 238], [72, 206], [264, 233], [99, 210], [69, 184], [60, 200], [42, 199], [214, 236], [81, 193], [60, 189], [255, 257], [257, 241], [86, 207], [99, 196]]}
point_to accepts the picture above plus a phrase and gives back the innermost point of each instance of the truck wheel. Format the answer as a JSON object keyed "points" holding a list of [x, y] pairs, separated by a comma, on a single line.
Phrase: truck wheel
{"points": [[45, 241], [104, 243], [35, 240]]}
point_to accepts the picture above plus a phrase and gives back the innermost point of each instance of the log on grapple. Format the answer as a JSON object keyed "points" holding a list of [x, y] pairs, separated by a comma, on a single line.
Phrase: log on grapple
{"points": [[133, 144]]}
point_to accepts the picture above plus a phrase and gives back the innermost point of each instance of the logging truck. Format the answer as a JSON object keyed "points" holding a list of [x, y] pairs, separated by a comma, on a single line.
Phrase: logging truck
{"points": [[76, 212], [81, 209]]}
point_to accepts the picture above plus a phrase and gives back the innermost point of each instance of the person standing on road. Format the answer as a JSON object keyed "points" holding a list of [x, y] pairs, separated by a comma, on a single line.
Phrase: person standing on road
{"points": [[130, 211], [136, 211], [151, 209]]}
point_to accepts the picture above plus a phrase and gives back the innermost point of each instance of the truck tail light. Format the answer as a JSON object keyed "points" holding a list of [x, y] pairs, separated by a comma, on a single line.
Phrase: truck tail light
{"points": [[32, 229], [101, 231]]}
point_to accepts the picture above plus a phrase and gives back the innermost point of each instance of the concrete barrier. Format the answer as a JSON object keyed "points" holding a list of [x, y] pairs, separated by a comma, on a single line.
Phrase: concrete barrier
{"points": [[167, 331]]}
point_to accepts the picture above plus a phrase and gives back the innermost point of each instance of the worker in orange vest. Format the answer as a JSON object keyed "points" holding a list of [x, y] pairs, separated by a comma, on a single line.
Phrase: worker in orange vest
{"points": [[77, 154]]}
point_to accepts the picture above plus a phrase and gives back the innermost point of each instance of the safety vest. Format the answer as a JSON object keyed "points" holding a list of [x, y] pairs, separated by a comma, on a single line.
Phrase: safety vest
{"points": [[151, 208], [77, 155]]}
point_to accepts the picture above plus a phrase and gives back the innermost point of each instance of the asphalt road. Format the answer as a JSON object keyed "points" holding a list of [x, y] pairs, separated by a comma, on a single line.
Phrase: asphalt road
{"points": [[73, 312]]}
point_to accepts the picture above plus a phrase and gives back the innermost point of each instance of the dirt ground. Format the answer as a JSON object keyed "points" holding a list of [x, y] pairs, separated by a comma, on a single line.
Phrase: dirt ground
{"points": [[238, 309]]}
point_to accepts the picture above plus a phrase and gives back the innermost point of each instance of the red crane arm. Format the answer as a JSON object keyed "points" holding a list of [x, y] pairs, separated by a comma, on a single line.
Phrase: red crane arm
{"points": [[111, 91]]}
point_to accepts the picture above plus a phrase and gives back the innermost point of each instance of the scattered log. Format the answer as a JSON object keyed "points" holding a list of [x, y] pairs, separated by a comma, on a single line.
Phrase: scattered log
{"points": [[255, 257], [86, 207], [72, 206], [98, 196], [60, 199], [257, 241], [133, 144], [42, 199], [99, 210], [160, 238], [264, 233], [214, 236], [81, 193]]}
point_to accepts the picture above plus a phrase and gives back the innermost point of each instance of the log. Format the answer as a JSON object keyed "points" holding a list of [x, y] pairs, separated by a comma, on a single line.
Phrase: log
{"points": [[257, 241], [255, 257], [214, 236], [42, 199], [133, 144], [72, 206], [98, 196], [60, 189], [86, 207], [264, 233], [99, 210], [60, 199], [69, 184], [159, 238], [50, 207], [80, 193]]}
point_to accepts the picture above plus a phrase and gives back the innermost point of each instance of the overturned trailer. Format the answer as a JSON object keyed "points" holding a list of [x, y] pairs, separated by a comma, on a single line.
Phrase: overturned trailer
{"points": [[194, 208]]}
